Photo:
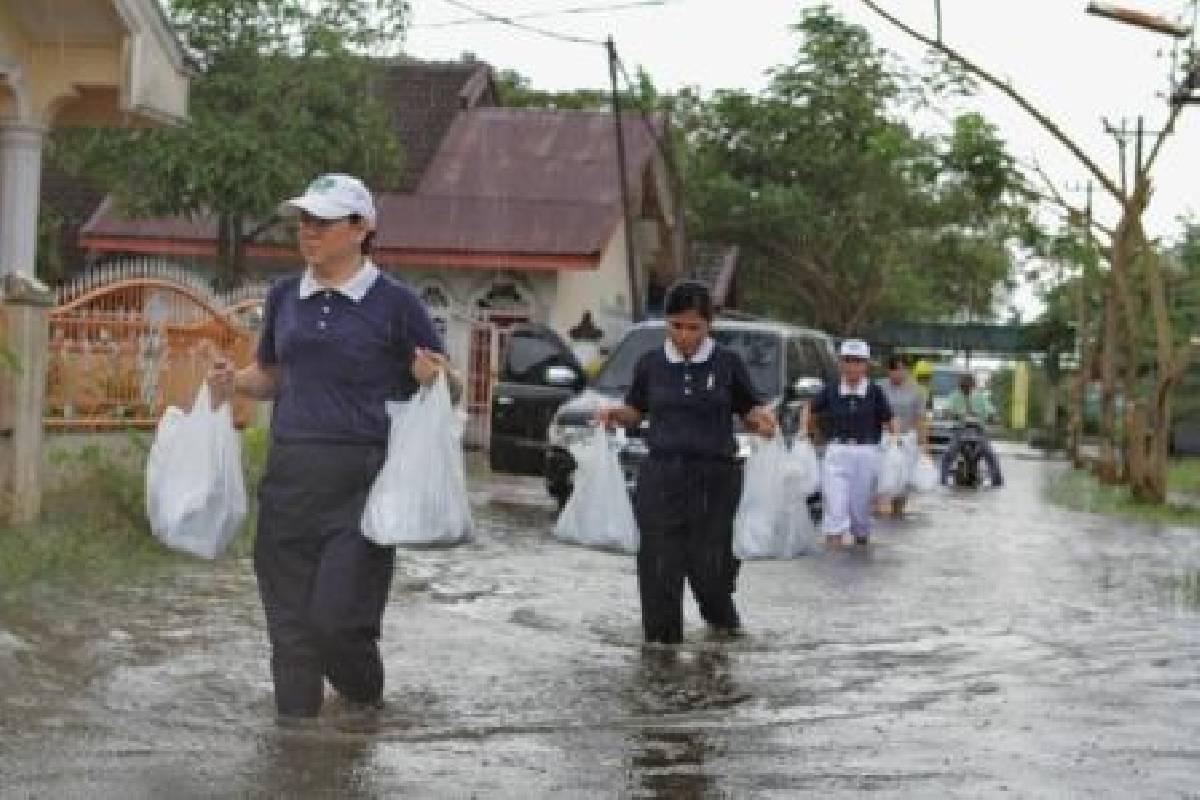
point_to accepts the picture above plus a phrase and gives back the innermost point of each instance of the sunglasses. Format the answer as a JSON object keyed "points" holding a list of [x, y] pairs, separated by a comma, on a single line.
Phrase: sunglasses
{"points": [[306, 220]]}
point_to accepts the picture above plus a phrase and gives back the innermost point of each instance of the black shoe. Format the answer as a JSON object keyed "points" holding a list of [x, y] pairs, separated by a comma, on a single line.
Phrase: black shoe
{"points": [[862, 541]]}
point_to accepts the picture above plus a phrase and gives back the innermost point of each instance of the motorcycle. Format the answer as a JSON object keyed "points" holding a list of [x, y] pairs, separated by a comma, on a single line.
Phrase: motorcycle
{"points": [[966, 470]]}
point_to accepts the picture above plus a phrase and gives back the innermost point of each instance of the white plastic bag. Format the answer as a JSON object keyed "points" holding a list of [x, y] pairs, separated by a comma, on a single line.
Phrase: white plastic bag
{"points": [[804, 467], [772, 518], [195, 497], [420, 494], [924, 475], [598, 513], [893, 468]]}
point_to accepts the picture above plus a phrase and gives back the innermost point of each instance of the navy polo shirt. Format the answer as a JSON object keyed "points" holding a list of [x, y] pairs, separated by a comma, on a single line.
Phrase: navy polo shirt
{"points": [[689, 405], [340, 358], [857, 416]]}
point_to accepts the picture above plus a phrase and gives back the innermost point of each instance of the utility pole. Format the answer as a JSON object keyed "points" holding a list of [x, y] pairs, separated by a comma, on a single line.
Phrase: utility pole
{"points": [[1119, 134], [1122, 136], [635, 299]]}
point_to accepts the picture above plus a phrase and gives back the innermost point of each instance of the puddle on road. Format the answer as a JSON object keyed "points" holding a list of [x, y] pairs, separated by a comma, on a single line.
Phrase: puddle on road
{"points": [[1183, 589], [978, 626]]}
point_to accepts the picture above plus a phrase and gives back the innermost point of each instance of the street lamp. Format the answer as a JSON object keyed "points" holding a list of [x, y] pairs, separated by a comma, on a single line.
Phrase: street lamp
{"points": [[1188, 90], [1140, 19]]}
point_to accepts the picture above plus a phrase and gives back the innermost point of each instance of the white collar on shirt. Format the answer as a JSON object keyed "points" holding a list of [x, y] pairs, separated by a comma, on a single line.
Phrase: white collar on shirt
{"points": [[703, 353], [859, 388], [355, 289]]}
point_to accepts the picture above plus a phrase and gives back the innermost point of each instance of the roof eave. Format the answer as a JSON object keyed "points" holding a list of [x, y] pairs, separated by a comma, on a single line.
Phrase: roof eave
{"points": [[386, 256]]}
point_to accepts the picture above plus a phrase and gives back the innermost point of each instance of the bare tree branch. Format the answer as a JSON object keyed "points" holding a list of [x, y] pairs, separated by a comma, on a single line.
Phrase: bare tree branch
{"points": [[1005, 88], [1055, 198]]}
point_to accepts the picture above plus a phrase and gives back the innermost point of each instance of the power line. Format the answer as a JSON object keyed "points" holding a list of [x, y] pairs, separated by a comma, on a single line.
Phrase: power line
{"points": [[512, 23], [548, 14]]}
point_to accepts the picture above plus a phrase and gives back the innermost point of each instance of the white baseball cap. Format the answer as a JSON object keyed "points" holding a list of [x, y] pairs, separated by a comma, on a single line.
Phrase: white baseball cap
{"points": [[332, 197], [855, 348]]}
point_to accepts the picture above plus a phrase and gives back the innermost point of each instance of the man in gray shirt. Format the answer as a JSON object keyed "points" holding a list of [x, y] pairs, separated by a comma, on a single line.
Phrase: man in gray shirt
{"points": [[908, 400]]}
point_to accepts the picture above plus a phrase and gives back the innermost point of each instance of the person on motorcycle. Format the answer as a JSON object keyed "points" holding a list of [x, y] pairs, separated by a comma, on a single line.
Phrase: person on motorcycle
{"points": [[965, 404]]}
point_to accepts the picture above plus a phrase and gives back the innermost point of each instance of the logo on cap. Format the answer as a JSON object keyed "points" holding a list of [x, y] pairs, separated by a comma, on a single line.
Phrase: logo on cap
{"points": [[321, 185]]}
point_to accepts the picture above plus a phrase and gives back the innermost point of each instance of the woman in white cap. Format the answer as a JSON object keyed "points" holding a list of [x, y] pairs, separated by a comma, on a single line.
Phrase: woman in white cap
{"points": [[337, 342], [851, 417]]}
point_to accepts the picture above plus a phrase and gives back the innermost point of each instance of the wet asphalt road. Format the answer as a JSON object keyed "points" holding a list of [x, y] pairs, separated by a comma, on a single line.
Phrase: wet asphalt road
{"points": [[990, 646]]}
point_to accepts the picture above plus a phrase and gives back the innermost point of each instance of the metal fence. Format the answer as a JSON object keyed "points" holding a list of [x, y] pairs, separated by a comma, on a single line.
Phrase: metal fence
{"points": [[128, 339]]}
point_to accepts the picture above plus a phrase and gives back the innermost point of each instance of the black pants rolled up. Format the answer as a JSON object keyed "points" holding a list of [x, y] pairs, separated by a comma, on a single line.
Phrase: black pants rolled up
{"points": [[323, 585], [685, 509]]}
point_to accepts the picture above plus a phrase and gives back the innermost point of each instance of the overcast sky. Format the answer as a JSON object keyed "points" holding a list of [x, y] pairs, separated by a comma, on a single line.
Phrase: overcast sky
{"points": [[1076, 67]]}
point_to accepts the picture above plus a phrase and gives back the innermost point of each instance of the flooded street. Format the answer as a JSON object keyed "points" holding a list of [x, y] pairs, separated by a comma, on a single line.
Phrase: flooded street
{"points": [[991, 645]]}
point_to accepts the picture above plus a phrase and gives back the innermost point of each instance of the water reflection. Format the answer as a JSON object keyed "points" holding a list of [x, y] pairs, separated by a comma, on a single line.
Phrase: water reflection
{"points": [[312, 761], [1184, 589], [668, 763], [670, 752]]}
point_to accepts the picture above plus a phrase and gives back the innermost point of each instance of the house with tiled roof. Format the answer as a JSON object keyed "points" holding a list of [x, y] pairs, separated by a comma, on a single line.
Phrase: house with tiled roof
{"points": [[505, 215]]}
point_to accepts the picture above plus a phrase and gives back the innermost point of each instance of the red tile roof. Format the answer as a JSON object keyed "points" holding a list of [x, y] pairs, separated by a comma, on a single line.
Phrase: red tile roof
{"points": [[504, 183]]}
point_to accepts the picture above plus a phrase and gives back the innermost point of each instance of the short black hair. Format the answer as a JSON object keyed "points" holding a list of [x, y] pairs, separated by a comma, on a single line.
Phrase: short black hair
{"points": [[687, 296], [368, 241], [896, 362]]}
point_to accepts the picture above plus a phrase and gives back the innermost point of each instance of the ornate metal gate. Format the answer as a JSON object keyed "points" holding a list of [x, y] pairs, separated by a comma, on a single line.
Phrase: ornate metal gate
{"points": [[127, 342]]}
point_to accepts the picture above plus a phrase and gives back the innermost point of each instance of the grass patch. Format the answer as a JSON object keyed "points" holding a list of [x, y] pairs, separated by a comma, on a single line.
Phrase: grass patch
{"points": [[1185, 476], [1081, 491], [94, 526]]}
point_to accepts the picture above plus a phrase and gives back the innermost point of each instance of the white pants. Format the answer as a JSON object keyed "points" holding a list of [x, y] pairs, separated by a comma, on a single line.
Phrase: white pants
{"points": [[848, 480]]}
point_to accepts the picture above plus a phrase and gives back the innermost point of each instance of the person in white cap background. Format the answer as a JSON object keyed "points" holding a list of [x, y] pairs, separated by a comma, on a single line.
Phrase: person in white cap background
{"points": [[337, 341], [851, 417], [907, 400]]}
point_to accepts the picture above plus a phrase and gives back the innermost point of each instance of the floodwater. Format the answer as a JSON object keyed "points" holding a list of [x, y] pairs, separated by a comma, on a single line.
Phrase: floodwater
{"points": [[990, 646]]}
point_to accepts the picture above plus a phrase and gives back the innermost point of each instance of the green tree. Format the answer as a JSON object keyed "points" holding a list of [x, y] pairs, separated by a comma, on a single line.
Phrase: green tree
{"points": [[516, 91], [1152, 365], [847, 215], [284, 91]]}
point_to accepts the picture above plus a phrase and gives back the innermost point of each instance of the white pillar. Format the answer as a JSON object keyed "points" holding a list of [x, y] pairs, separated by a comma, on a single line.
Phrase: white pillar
{"points": [[20, 187], [26, 303]]}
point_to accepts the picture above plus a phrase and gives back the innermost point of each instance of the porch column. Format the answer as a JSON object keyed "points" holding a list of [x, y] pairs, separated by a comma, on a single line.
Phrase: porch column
{"points": [[20, 187], [26, 303], [26, 307]]}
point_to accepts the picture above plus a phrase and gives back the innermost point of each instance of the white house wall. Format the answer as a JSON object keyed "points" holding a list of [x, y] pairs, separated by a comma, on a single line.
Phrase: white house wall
{"points": [[464, 288], [603, 291]]}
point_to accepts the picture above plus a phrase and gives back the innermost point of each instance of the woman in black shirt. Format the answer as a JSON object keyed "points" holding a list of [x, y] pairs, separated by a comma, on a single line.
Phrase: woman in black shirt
{"points": [[689, 487]]}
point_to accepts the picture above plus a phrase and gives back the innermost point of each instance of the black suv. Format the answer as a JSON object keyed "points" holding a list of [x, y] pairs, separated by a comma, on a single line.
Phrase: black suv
{"points": [[543, 404]]}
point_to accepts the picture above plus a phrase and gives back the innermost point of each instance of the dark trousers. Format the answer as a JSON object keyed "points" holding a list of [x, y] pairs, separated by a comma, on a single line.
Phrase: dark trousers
{"points": [[985, 447], [685, 509], [323, 585]]}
